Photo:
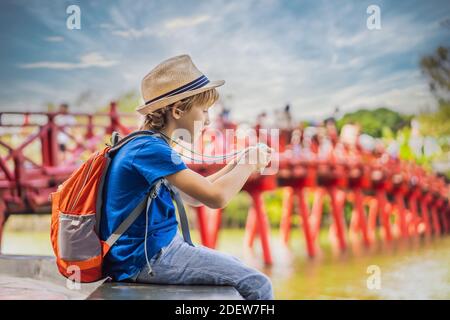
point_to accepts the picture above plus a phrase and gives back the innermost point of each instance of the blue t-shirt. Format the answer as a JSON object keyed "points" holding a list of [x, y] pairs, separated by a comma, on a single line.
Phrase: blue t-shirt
{"points": [[132, 172]]}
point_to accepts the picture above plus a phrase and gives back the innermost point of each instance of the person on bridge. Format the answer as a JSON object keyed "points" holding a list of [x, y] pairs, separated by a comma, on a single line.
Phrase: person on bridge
{"points": [[65, 121], [177, 98]]}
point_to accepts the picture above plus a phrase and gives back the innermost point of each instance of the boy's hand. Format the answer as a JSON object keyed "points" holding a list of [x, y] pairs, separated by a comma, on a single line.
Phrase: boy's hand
{"points": [[259, 156], [243, 153]]}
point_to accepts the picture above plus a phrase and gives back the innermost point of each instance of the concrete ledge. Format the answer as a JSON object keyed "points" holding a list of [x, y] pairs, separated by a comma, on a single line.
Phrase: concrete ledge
{"points": [[37, 277], [138, 291]]}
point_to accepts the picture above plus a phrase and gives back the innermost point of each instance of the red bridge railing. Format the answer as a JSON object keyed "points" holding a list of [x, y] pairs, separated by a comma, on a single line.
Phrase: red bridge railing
{"points": [[389, 198]]}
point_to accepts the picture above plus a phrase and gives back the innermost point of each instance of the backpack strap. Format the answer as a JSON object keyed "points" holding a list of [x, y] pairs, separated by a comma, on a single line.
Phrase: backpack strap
{"points": [[115, 137], [99, 201], [145, 203], [116, 144], [181, 212]]}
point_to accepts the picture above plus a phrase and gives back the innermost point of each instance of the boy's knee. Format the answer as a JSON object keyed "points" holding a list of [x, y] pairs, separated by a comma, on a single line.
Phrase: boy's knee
{"points": [[257, 286]]}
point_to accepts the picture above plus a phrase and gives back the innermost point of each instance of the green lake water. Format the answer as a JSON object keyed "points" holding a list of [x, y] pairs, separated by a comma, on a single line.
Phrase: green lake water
{"points": [[413, 270]]}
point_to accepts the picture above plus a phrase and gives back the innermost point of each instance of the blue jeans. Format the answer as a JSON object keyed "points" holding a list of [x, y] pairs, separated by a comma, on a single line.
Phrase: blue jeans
{"points": [[180, 263]]}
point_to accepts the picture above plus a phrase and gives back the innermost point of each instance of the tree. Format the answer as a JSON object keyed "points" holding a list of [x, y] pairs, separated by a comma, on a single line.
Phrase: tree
{"points": [[437, 69], [436, 124], [374, 122]]}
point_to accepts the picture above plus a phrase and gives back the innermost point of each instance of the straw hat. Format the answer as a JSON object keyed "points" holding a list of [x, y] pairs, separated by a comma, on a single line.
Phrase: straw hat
{"points": [[173, 80]]}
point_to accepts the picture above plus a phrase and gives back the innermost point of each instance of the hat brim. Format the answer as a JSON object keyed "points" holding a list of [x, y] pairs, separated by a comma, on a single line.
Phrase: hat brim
{"points": [[158, 104]]}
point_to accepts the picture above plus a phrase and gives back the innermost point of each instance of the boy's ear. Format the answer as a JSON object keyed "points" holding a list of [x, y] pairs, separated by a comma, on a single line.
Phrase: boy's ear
{"points": [[176, 113]]}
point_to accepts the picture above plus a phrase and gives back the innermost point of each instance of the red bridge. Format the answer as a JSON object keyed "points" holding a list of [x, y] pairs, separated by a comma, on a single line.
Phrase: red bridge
{"points": [[397, 199]]}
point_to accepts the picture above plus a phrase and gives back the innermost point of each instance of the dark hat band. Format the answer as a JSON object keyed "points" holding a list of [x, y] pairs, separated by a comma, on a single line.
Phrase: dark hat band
{"points": [[195, 84]]}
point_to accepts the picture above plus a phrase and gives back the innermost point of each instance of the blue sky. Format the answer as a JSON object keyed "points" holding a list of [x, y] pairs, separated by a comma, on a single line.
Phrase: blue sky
{"points": [[315, 55]]}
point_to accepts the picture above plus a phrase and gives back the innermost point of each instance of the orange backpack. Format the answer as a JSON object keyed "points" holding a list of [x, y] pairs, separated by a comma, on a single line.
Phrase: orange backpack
{"points": [[76, 212]]}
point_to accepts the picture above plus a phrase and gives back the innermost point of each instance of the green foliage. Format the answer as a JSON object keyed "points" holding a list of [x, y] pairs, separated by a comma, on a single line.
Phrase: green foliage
{"points": [[129, 102], [235, 214], [436, 124], [376, 122], [273, 202], [437, 67], [405, 152]]}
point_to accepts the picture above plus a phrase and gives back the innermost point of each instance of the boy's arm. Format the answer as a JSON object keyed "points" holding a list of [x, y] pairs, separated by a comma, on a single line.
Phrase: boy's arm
{"points": [[218, 193], [211, 178], [189, 200], [227, 168], [215, 194]]}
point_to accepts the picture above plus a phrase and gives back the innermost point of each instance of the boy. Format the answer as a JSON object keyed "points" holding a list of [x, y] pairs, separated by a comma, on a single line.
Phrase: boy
{"points": [[177, 97]]}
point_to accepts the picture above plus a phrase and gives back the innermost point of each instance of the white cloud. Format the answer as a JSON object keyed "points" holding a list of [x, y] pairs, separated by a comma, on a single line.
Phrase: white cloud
{"points": [[93, 59], [162, 28], [188, 22], [54, 39], [268, 57], [135, 33]]}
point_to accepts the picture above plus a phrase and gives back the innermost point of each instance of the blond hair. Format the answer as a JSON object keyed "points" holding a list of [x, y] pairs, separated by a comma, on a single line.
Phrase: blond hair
{"points": [[157, 120]]}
